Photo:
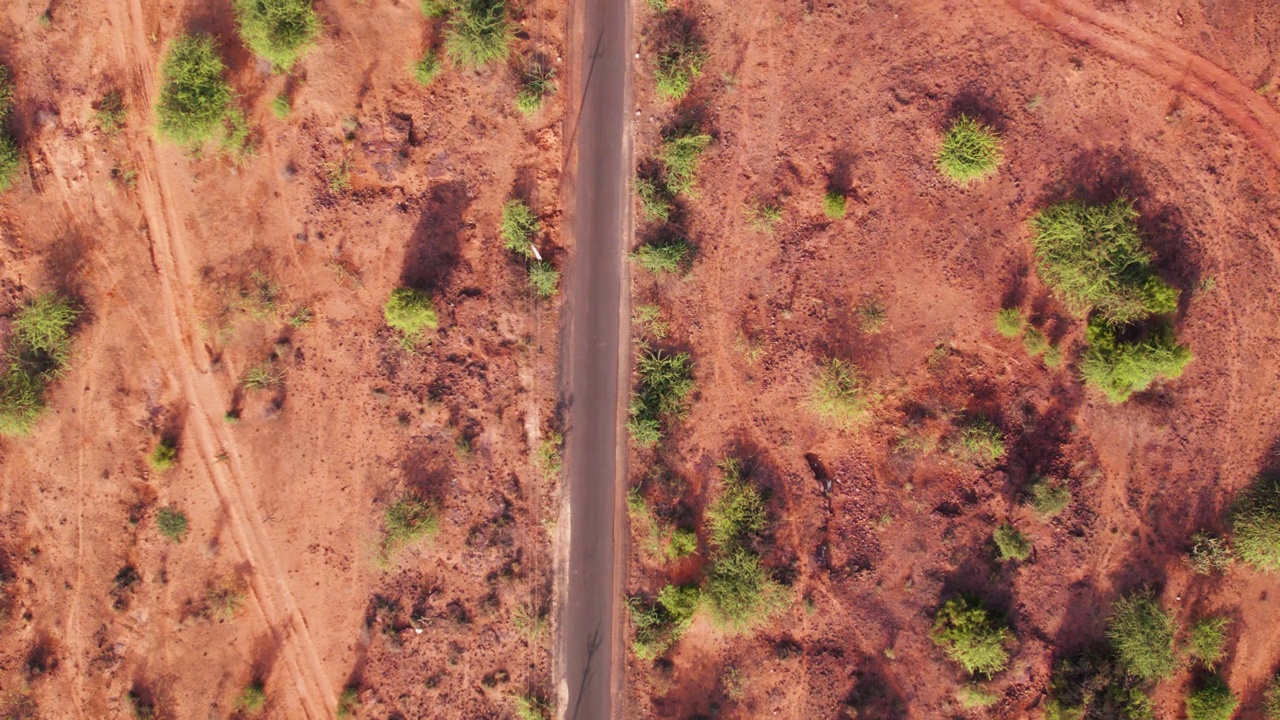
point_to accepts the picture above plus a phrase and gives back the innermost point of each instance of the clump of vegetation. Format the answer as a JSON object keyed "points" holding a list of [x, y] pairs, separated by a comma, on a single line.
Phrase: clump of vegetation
{"points": [[172, 523], [1090, 686], [970, 151], [7, 91], [659, 624], [1212, 700], [972, 635], [252, 700], [224, 600], [1142, 632], [1034, 341], [164, 455], [110, 112], [1120, 367], [1208, 554], [411, 313], [406, 521], [428, 68], [654, 203], [658, 6], [1271, 699], [840, 394], [519, 225], [972, 697], [682, 544], [338, 176], [764, 216], [1207, 644], [10, 159], [738, 511], [550, 462], [195, 95], [279, 30], [281, 106], [666, 381], [679, 64], [348, 702], [528, 707], [649, 317], [681, 154], [1009, 322], [1255, 523], [477, 32], [1048, 496], [1093, 256], [834, 204], [664, 255], [41, 345], [544, 278], [262, 376], [981, 442], [1011, 544], [537, 82], [740, 591]]}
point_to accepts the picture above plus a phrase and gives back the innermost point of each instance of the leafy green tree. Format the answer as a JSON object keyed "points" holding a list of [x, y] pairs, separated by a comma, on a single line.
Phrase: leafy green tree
{"points": [[972, 636], [1120, 367]]}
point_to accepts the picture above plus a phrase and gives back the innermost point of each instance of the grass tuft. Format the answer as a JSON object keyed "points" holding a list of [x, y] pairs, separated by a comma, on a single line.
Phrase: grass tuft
{"points": [[1208, 554], [1048, 496], [1011, 544], [110, 112], [537, 83], [681, 155], [1271, 699], [970, 152], [871, 315], [262, 376], [666, 381], [164, 456], [1211, 700], [478, 32], [252, 701], [172, 523], [544, 278], [981, 442], [972, 636], [834, 204], [1207, 643], [427, 69], [679, 64], [195, 95], [840, 395], [279, 30], [406, 521], [654, 203], [764, 216], [1009, 322], [1255, 523], [669, 255], [411, 313], [1141, 632], [519, 226]]}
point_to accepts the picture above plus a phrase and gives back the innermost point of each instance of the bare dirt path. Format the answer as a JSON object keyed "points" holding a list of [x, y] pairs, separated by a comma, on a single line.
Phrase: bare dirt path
{"points": [[588, 658], [1165, 61], [217, 453]]}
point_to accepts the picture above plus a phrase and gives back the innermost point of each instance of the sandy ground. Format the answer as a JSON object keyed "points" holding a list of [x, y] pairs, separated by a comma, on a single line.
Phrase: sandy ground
{"points": [[1168, 103], [287, 502]]}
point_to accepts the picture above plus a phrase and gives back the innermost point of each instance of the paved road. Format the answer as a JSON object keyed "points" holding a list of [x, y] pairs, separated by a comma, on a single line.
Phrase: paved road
{"points": [[591, 640]]}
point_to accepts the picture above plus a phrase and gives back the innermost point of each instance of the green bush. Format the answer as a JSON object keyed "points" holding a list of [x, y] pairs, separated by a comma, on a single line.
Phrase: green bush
{"points": [[1011, 543], [477, 32], [834, 204], [682, 543], [739, 509], [21, 399], [41, 346], [252, 701], [1208, 554], [536, 84], [426, 70], [679, 64], [660, 624], [840, 394], [970, 151], [666, 381], [262, 376], [1048, 496], [1142, 633], [1034, 341], [1212, 700], [1091, 687], [164, 456], [649, 317], [1255, 523], [972, 636], [195, 94], [110, 112], [406, 521], [348, 702], [740, 592], [1271, 699], [681, 155], [669, 255], [519, 226], [1009, 322], [657, 6], [437, 8], [172, 523], [410, 312], [1119, 367], [7, 91], [654, 204], [1053, 357], [544, 278], [981, 442], [281, 106], [1207, 644], [279, 30], [1093, 256]]}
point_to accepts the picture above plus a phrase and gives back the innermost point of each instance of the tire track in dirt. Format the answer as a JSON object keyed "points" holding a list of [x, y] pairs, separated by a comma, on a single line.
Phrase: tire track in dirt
{"points": [[283, 617], [1165, 61]]}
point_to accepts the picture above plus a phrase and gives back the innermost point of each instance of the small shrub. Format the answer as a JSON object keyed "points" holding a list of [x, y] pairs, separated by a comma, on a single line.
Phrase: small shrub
{"points": [[871, 314], [679, 64], [660, 624], [972, 636], [110, 112], [1208, 554], [1034, 341], [164, 455], [654, 205], [278, 30], [658, 6], [973, 697], [1011, 543], [7, 91], [224, 600], [764, 216], [436, 8], [519, 225], [682, 543], [1208, 641], [529, 707], [348, 702], [536, 84], [237, 138], [338, 176], [478, 32], [666, 381], [550, 462], [1093, 256], [10, 161], [21, 399], [1053, 357], [1271, 699], [738, 511], [411, 313], [681, 155], [1090, 686], [252, 700], [544, 278], [426, 70], [262, 376], [281, 106], [1119, 367], [834, 204], [981, 442], [1212, 700], [840, 394], [42, 331], [195, 94], [406, 521], [1048, 496], [740, 592], [1141, 632], [970, 151], [1009, 322], [1255, 523], [172, 523], [649, 317], [670, 255]]}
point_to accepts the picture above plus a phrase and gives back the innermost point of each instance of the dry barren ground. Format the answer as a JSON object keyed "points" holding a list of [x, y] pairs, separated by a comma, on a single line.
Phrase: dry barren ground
{"points": [[1170, 104], [187, 269]]}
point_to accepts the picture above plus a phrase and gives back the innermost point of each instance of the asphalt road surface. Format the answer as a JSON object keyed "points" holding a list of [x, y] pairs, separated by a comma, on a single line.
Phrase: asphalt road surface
{"points": [[591, 614]]}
